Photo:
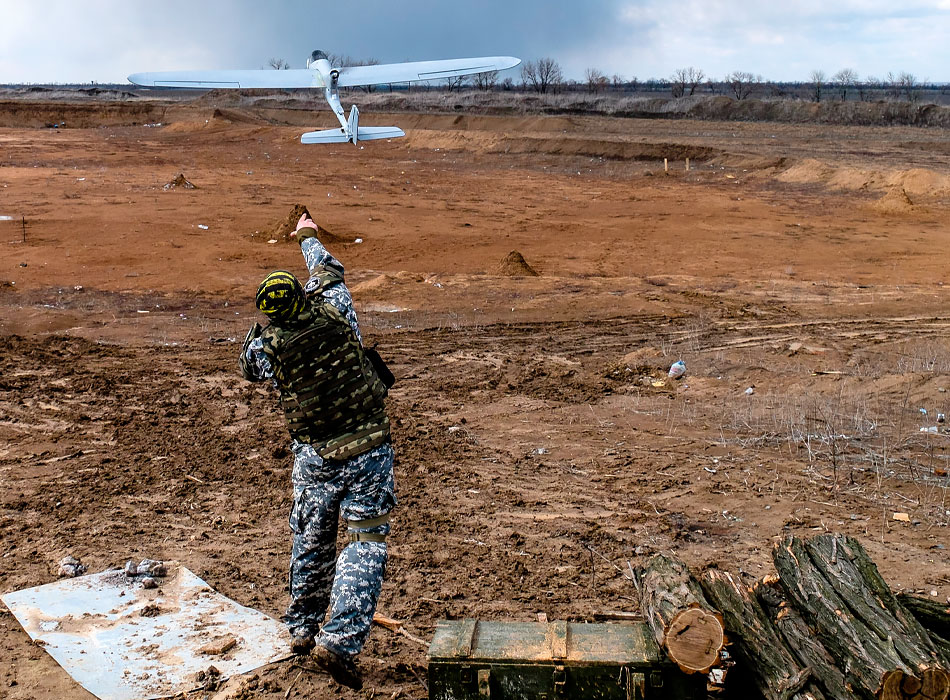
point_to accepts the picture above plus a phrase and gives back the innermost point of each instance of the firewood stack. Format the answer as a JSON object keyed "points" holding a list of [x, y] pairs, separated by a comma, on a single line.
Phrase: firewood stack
{"points": [[826, 626]]}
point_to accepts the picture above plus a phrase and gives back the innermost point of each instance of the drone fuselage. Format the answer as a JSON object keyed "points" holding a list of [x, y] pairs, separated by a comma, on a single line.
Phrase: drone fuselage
{"points": [[320, 64]]}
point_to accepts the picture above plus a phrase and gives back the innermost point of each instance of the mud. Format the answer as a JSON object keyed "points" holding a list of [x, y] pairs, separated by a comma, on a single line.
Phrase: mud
{"points": [[540, 444]]}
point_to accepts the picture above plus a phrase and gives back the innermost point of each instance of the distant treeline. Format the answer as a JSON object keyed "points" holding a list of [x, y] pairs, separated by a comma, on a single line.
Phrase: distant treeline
{"points": [[545, 76]]}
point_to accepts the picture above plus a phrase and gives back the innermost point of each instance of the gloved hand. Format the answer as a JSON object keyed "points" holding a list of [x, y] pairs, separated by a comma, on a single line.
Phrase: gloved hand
{"points": [[305, 222], [247, 370]]}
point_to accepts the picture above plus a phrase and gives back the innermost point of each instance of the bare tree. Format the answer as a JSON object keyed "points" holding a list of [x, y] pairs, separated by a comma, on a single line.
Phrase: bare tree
{"points": [[845, 78], [866, 87], [906, 84], [541, 76], [817, 83], [685, 81], [741, 84], [278, 64], [456, 82], [485, 81], [596, 81]]}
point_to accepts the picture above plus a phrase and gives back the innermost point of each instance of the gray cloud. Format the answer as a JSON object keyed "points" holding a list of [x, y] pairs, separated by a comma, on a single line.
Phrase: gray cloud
{"points": [[105, 40]]}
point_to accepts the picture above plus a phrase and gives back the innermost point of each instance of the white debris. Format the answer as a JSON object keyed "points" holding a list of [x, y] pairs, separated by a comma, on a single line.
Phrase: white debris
{"points": [[70, 567], [750, 391], [202, 227]]}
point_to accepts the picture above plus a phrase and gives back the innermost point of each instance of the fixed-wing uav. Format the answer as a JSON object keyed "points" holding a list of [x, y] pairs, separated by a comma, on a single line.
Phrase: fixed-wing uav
{"points": [[320, 74]]}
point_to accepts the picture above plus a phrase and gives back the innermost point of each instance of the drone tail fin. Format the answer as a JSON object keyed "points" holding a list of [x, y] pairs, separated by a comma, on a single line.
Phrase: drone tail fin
{"points": [[353, 132]]}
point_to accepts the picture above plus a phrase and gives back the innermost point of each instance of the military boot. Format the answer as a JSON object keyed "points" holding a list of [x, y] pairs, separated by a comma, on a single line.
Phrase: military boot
{"points": [[301, 643], [342, 669]]}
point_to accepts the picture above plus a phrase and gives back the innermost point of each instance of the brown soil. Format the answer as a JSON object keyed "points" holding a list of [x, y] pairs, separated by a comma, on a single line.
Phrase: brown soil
{"points": [[540, 445]]}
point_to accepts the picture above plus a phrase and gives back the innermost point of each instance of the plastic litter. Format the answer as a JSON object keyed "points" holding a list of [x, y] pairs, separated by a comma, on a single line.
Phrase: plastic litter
{"points": [[677, 370], [202, 227], [750, 391]]}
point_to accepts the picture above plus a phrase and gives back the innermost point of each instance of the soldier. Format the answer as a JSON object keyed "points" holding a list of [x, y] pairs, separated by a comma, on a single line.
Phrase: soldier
{"points": [[333, 400]]}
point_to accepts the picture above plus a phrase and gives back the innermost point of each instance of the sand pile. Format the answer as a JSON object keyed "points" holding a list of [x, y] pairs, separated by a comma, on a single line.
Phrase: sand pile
{"points": [[896, 201], [514, 265], [921, 182], [807, 171], [286, 226], [179, 181]]}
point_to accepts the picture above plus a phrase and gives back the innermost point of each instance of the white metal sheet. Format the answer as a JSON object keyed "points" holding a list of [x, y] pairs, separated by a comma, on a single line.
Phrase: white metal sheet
{"points": [[121, 641]]}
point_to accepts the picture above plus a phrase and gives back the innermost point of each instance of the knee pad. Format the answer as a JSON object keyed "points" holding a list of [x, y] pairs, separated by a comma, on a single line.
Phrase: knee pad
{"points": [[354, 527]]}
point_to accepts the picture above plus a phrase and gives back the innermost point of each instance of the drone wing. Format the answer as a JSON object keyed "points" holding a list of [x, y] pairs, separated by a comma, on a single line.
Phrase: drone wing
{"points": [[299, 78], [422, 70]]}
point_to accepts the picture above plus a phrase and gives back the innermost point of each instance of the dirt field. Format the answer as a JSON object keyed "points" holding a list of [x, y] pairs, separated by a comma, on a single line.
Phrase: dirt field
{"points": [[801, 272]]}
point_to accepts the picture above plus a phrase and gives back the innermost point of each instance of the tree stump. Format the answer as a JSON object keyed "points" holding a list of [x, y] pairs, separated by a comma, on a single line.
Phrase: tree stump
{"points": [[882, 649], [756, 642], [681, 618]]}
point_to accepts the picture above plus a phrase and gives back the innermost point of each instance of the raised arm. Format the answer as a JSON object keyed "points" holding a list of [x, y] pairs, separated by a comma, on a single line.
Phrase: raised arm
{"points": [[319, 259], [313, 251]]}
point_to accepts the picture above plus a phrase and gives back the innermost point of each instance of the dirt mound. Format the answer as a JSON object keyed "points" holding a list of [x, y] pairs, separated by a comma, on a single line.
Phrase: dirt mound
{"points": [[514, 265], [920, 182], [282, 229], [807, 171], [896, 201], [604, 148], [179, 181], [237, 116]]}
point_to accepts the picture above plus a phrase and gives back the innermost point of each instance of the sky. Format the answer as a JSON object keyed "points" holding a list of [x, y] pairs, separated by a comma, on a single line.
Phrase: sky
{"points": [[103, 41]]}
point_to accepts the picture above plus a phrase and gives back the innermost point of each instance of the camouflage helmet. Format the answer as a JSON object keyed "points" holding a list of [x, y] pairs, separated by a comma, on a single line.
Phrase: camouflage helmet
{"points": [[280, 296]]}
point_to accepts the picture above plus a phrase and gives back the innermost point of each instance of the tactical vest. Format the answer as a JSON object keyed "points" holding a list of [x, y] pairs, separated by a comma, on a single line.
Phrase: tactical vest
{"points": [[330, 393]]}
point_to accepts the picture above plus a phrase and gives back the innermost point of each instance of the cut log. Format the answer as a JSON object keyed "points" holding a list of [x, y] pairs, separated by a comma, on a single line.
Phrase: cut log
{"points": [[838, 590], [932, 684], [756, 643], [683, 622], [933, 616], [800, 638]]}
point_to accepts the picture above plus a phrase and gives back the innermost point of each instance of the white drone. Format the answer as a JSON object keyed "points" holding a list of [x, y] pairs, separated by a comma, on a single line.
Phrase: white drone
{"points": [[320, 74]]}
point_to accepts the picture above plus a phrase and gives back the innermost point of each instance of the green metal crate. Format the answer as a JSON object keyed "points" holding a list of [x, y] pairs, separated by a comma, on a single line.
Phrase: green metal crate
{"points": [[473, 660]]}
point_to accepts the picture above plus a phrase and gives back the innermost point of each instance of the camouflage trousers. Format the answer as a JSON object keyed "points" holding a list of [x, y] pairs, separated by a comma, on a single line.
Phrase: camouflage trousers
{"points": [[359, 488]]}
